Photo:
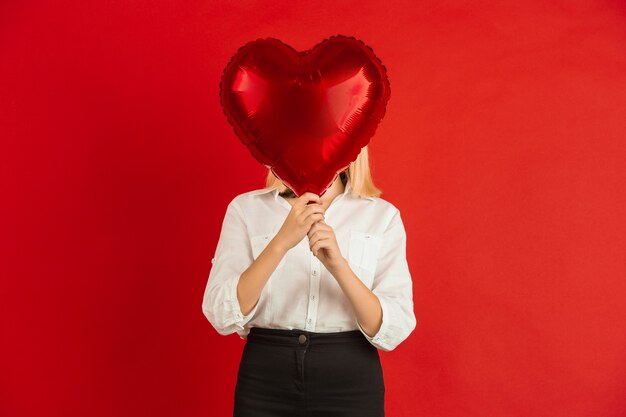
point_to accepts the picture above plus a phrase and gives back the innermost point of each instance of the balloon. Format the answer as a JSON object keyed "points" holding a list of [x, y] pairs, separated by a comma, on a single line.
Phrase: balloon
{"points": [[305, 115]]}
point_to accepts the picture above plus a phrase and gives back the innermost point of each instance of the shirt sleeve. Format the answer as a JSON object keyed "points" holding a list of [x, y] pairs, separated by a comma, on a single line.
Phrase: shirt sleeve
{"points": [[233, 255], [394, 288]]}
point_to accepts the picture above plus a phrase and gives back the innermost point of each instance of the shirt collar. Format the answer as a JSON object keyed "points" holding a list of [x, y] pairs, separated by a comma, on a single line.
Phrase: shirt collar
{"points": [[266, 190]]}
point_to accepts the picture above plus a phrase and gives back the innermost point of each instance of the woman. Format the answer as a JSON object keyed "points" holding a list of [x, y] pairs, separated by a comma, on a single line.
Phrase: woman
{"points": [[314, 310]]}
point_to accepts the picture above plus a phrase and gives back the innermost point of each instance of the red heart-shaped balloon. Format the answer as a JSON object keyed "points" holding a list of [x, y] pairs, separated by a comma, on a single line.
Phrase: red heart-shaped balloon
{"points": [[305, 115]]}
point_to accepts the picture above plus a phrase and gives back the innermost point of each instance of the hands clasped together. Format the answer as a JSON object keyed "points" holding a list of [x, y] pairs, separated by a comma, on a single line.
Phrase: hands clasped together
{"points": [[308, 220]]}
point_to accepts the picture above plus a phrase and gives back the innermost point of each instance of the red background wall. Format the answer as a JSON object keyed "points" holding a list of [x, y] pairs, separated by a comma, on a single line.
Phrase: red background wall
{"points": [[503, 146]]}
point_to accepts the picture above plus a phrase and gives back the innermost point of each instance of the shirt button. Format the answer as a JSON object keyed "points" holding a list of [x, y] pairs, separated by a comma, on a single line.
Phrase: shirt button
{"points": [[312, 297], [314, 272], [308, 321], [302, 338]]}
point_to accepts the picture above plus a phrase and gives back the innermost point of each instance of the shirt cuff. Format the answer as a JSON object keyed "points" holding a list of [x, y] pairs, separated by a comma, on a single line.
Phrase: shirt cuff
{"points": [[379, 340], [236, 316]]}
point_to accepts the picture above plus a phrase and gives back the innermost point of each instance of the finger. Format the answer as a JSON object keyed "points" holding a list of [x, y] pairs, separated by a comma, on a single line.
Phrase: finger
{"points": [[312, 219], [312, 209], [323, 225], [319, 244], [304, 214], [307, 197], [313, 237], [319, 225]]}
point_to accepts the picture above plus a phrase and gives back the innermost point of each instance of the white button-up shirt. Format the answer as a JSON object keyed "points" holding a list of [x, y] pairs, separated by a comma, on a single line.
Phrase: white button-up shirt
{"points": [[301, 293]]}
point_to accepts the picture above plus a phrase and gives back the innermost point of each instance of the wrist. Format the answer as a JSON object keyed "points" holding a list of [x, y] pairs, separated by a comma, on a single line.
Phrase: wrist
{"points": [[338, 266], [277, 247]]}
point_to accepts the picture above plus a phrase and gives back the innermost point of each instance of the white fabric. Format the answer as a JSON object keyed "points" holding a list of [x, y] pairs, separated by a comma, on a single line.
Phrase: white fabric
{"points": [[301, 293]]}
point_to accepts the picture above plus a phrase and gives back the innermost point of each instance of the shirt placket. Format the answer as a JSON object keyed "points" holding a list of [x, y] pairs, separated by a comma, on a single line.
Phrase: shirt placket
{"points": [[314, 290]]}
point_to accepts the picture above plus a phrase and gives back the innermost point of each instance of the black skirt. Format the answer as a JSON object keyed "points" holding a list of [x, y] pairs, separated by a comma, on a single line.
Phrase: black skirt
{"points": [[295, 373]]}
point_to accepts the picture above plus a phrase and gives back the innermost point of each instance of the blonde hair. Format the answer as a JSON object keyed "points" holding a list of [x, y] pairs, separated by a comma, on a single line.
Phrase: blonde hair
{"points": [[358, 174]]}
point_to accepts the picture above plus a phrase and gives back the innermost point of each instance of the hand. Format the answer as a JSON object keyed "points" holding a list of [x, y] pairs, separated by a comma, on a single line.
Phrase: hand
{"points": [[323, 244], [299, 220]]}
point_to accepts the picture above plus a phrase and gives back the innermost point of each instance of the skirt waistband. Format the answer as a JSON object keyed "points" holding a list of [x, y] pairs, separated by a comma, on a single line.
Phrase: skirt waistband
{"points": [[297, 337]]}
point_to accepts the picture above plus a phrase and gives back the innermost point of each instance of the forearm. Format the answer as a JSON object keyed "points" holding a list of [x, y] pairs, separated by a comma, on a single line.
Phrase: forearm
{"points": [[253, 279], [364, 302]]}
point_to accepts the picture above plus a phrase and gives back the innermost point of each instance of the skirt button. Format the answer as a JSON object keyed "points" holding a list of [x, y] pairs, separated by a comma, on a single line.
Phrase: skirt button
{"points": [[302, 338]]}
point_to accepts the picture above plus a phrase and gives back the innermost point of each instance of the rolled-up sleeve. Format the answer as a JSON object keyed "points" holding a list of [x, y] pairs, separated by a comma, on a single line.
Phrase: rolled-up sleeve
{"points": [[233, 255], [394, 288]]}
